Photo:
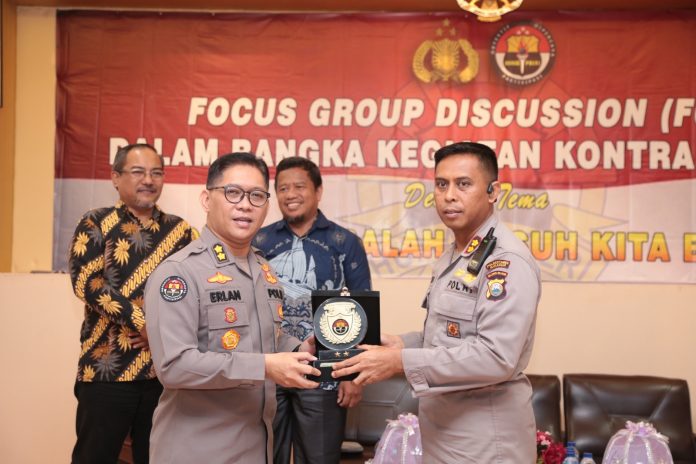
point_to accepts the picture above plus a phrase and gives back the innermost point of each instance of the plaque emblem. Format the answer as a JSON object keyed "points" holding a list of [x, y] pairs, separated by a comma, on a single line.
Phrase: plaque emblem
{"points": [[342, 323]]}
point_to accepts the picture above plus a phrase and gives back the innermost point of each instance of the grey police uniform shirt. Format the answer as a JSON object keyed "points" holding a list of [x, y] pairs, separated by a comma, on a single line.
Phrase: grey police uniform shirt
{"points": [[467, 364], [209, 324]]}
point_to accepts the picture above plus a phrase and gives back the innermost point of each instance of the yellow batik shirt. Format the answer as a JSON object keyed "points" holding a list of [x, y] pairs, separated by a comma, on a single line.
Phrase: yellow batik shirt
{"points": [[111, 256]]}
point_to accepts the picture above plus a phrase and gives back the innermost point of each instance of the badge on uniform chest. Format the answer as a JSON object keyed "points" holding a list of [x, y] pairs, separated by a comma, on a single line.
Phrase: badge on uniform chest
{"points": [[453, 329]]}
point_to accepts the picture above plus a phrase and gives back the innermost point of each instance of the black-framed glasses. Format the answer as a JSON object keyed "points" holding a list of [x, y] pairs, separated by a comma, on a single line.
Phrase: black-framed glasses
{"points": [[140, 173], [235, 194]]}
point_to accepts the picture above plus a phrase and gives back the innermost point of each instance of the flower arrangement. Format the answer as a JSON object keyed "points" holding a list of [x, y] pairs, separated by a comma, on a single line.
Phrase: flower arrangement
{"points": [[548, 451]]}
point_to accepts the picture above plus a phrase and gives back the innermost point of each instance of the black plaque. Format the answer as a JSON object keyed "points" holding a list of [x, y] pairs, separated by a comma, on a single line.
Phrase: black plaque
{"points": [[343, 320]]}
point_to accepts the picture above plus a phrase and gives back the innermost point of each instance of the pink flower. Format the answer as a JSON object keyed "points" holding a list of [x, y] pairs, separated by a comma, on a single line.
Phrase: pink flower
{"points": [[554, 454], [548, 451]]}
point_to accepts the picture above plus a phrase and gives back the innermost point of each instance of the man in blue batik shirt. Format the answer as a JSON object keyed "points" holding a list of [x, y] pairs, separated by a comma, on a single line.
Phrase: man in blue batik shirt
{"points": [[309, 252]]}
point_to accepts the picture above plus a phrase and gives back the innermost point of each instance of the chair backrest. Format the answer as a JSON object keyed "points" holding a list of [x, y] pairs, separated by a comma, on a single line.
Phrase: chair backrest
{"points": [[597, 406], [380, 402], [546, 402]]}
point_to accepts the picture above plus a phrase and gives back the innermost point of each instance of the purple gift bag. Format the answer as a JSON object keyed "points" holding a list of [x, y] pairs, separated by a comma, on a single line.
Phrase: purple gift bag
{"points": [[638, 443], [400, 442]]}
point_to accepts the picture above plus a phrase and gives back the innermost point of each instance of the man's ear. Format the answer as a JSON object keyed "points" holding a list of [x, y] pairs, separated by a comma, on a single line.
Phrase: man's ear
{"points": [[320, 191], [115, 177], [205, 200], [493, 191]]}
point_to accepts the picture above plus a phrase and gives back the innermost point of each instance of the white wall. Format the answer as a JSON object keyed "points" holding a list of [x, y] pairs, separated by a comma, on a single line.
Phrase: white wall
{"points": [[39, 345]]}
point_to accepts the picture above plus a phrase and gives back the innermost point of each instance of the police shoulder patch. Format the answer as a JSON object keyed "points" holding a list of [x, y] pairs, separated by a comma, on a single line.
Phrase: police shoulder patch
{"points": [[496, 285], [497, 263], [174, 288]]}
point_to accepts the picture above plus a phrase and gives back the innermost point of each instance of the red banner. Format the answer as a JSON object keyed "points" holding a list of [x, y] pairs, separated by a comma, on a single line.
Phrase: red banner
{"points": [[569, 101]]}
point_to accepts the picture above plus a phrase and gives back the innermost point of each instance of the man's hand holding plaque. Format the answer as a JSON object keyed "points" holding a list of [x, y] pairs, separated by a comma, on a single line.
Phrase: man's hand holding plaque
{"points": [[340, 324], [375, 364]]}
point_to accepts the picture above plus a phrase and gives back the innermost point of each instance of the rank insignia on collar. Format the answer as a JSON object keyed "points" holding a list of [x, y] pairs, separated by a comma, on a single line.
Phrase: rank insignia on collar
{"points": [[453, 329], [220, 254], [174, 288], [280, 310], [231, 315], [270, 278], [219, 278], [230, 340], [473, 245]]}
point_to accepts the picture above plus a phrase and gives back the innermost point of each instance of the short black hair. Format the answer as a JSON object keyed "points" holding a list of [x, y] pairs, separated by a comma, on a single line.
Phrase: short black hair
{"points": [[302, 163], [232, 159], [484, 153], [122, 154]]}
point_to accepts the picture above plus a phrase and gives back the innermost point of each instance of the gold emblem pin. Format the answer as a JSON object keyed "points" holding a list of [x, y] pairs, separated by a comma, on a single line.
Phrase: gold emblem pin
{"points": [[230, 340], [219, 278]]}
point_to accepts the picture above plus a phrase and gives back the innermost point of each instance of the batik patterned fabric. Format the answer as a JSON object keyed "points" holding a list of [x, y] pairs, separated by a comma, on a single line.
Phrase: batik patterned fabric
{"points": [[111, 256], [329, 257]]}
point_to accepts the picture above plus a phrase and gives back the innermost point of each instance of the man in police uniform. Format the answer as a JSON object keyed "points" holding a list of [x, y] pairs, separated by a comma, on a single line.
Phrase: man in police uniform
{"points": [[214, 312], [466, 366]]}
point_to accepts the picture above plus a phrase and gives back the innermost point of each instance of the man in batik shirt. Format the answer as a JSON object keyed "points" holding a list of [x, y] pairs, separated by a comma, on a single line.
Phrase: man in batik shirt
{"points": [[113, 252]]}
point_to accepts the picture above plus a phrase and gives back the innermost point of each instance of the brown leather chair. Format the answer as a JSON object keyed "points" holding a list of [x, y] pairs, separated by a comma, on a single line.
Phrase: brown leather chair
{"points": [[546, 402], [597, 406]]}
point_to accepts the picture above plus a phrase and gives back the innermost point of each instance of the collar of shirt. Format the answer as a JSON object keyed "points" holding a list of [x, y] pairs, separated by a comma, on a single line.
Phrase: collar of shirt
{"points": [[449, 256], [123, 211], [221, 255]]}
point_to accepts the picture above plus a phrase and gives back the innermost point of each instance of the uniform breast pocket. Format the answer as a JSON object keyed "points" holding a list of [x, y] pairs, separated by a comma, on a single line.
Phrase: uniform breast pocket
{"points": [[455, 319], [228, 328]]}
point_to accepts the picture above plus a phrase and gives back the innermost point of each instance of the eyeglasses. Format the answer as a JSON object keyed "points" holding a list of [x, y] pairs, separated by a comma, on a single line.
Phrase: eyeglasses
{"points": [[140, 173], [235, 194]]}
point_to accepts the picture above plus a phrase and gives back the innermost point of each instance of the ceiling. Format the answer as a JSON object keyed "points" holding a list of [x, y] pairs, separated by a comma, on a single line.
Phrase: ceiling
{"points": [[353, 5]]}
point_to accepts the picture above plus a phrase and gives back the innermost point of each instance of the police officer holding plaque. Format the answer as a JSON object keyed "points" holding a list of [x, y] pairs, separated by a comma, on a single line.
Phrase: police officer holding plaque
{"points": [[467, 364], [214, 312]]}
